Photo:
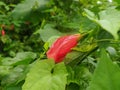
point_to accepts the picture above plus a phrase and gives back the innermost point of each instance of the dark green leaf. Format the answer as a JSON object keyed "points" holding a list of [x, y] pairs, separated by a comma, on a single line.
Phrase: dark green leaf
{"points": [[118, 1], [106, 75], [78, 75], [13, 88], [27, 7]]}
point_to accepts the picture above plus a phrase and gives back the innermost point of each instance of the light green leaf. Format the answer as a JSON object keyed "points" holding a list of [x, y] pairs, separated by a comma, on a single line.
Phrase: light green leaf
{"points": [[109, 19], [46, 75], [26, 7], [112, 51], [48, 31], [106, 75], [90, 14], [52, 39], [4, 70], [21, 58], [71, 56], [16, 75]]}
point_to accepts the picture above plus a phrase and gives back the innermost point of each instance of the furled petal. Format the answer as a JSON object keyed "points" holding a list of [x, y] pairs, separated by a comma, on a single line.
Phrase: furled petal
{"points": [[62, 46], [3, 32]]}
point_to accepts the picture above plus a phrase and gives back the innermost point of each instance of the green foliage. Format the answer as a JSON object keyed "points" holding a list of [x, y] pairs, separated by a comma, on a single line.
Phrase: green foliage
{"points": [[15, 75], [79, 77], [52, 32], [106, 75], [31, 26], [108, 19], [14, 70], [21, 58], [46, 75], [28, 9]]}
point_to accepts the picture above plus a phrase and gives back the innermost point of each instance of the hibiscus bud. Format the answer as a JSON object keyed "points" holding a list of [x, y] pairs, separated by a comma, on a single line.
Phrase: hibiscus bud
{"points": [[62, 46], [3, 32]]}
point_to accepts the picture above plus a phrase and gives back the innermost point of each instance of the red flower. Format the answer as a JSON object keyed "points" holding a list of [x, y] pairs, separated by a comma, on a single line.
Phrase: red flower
{"points": [[62, 46], [3, 32]]}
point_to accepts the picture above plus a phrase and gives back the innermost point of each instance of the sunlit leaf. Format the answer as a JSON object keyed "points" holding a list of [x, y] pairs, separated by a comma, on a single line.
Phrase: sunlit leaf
{"points": [[49, 31], [21, 58], [4, 70], [46, 75], [108, 19], [112, 51]]}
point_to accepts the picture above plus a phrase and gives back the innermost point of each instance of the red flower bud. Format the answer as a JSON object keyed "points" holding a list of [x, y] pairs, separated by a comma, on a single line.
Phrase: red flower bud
{"points": [[62, 46], [3, 32]]}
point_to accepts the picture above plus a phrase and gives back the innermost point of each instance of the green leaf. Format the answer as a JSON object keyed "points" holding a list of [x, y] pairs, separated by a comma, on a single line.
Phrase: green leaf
{"points": [[73, 86], [106, 75], [13, 88], [118, 1], [90, 14], [4, 70], [108, 19], [112, 51], [71, 56], [46, 75], [16, 75], [21, 58], [79, 75], [49, 31], [27, 7]]}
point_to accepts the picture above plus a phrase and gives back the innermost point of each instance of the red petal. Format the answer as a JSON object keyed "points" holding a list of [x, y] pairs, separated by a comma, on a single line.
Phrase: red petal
{"points": [[3, 32], [62, 46]]}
